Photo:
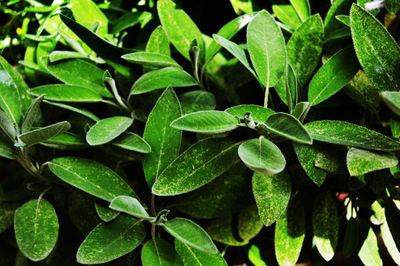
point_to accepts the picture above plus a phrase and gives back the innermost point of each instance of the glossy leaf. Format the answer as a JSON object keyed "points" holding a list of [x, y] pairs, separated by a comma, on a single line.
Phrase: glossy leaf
{"points": [[254, 256], [83, 112], [344, 133], [129, 206], [197, 100], [162, 78], [307, 154], [132, 142], [257, 112], [158, 42], [272, 194], [377, 51], [66, 93], [198, 165], [107, 129], [392, 100], [262, 155], [267, 48], [150, 59], [165, 141], [91, 177], [108, 241], [56, 56], [360, 162], [302, 8], [87, 13], [159, 252], [191, 234], [325, 223], [194, 257], [36, 229], [39, 135], [206, 122], [369, 252], [287, 14]]}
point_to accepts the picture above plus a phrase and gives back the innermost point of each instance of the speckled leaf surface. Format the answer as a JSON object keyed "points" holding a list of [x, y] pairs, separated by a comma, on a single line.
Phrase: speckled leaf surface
{"points": [[39, 135], [6, 215], [66, 93], [36, 229], [369, 252], [267, 48], [306, 155], [105, 213], [262, 155], [108, 241], [165, 141], [257, 112], [180, 28], [206, 122], [272, 194], [194, 257], [197, 100], [290, 233], [150, 59], [162, 78], [159, 253], [132, 142], [344, 133], [158, 42], [91, 177], [107, 129], [377, 51], [360, 161], [325, 222], [191, 234], [198, 165], [392, 100], [129, 206]]}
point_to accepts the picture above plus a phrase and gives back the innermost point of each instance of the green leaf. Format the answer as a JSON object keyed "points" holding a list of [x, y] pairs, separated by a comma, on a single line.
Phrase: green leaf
{"points": [[272, 194], [325, 223], [390, 243], [31, 114], [333, 26], [130, 19], [289, 233], [344, 133], [392, 215], [150, 59], [83, 112], [56, 56], [14, 99], [164, 140], [159, 252], [351, 237], [300, 109], [302, 8], [369, 252], [392, 100], [107, 129], [333, 76], [194, 257], [108, 241], [105, 213], [66, 93], [158, 42], [36, 229], [228, 31], [392, 6], [129, 206], [287, 14], [91, 177], [242, 6], [42, 134], [262, 155], [377, 51], [360, 162], [206, 122], [7, 126], [6, 149], [254, 256], [198, 165], [132, 142], [197, 100], [6, 215], [87, 13], [162, 78], [191, 234], [267, 48], [180, 28], [307, 154], [258, 113], [287, 126]]}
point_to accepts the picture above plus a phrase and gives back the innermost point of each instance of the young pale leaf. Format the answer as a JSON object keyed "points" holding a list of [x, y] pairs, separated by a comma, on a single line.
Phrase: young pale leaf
{"points": [[333, 76], [108, 241], [302, 8], [162, 78], [289, 234], [132, 142], [56, 56], [151, 59], [390, 243], [66, 93], [194, 257], [159, 252], [325, 223], [129, 206], [267, 48], [83, 112], [272, 194], [254, 256], [287, 15], [197, 100], [392, 216], [158, 42], [344, 133], [257, 112], [287, 126], [392, 100], [191, 234], [241, 6], [107, 129], [180, 28], [6, 149], [36, 229], [91, 177], [87, 13], [377, 51], [198, 165], [32, 114], [307, 154], [42, 134], [206, 122], [360, 162], [262, 155], [369, 252], [165, 141], [105, 213]]}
